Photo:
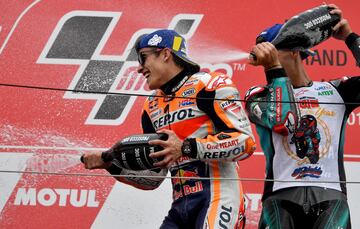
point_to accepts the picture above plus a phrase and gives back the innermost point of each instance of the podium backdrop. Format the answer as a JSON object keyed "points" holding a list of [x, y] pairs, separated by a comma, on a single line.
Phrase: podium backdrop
{"points": [[51, 48]]}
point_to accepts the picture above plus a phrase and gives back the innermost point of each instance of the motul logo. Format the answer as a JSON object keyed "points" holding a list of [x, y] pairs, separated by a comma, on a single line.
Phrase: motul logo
{"points": [[60, 197]]}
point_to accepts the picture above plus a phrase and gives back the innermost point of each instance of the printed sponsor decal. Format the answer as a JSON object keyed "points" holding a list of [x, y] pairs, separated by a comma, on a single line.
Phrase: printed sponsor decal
{"points": [[237, 111], [323, 112], [188, 92], [155, 113], [188, 189], [224, 154], [225, 216], [222, 145], [153, 104], [306, 139], [186, 102], [184, 159], [185, 182], [308, 103], [325, 93], [301, 92], [316, 21], [218, 81], [307, 171], [227, 104], [56, 197], [176, 116], [136, 139], [155, 40], [191, 82], [323, 88], [278, 94]]}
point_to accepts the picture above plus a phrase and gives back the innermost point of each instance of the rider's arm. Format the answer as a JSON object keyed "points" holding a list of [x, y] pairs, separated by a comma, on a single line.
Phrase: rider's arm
{"points": [[353, 43], [233, 139], [273, 106]]}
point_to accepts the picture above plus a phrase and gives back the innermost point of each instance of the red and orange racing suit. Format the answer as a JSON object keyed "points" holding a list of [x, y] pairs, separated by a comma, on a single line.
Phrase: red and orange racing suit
{"points": [[205, 109]]}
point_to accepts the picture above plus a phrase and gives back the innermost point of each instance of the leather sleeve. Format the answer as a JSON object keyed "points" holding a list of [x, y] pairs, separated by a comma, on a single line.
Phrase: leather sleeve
{"points": [[273, 106], [353, 43], [233, 139]]}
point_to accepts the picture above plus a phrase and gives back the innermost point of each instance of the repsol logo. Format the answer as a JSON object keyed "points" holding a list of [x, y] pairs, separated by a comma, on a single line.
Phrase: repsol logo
{"points": [[56, 197], [225, 216], [224, 154], [173, 117], [328, 58]]}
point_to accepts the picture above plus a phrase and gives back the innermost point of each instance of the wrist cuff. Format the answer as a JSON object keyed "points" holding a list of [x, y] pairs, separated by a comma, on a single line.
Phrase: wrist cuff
{"points": [[275, 73], [351, 39]]}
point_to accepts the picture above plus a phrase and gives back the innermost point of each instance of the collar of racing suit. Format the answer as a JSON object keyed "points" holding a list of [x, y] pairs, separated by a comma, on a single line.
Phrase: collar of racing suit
{"points": [[175, 83]]}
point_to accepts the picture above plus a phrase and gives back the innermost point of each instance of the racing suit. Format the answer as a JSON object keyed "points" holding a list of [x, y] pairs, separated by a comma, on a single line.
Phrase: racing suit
{"points": [[303, 142], [204, 109]]}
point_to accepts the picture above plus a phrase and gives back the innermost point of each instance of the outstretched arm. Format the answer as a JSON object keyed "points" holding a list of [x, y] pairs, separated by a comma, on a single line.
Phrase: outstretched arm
{"points": [[146, 179]]}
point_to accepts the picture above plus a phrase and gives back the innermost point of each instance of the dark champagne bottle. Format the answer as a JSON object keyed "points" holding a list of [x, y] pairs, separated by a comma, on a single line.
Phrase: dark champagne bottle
{"points": [[306, 29], [133, 151]]}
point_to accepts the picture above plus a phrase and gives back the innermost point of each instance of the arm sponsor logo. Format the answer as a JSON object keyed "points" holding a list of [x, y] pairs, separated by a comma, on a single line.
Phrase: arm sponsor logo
{"points": [[224, 154], [223, 145]]}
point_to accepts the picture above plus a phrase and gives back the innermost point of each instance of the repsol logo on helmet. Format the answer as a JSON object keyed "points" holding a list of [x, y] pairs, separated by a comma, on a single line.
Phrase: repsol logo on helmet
{"points": [[173, 117]]}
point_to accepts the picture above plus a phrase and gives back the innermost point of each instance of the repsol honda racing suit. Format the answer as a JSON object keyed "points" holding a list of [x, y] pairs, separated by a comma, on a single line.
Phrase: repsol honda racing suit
{"points": [[204, 109], [304, 147]]}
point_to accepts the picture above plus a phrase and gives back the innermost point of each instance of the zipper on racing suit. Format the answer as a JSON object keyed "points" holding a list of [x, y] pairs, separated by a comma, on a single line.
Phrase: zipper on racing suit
{"points": [[306, 204]]}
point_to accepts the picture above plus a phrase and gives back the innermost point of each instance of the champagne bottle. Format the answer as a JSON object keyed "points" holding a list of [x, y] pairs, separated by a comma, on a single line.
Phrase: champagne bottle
{"points": [[133, 152], [306, 29]]}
